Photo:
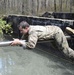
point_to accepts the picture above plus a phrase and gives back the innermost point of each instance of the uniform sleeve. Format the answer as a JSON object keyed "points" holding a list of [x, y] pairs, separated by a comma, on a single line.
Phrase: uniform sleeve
{"points": [[32, 40]]}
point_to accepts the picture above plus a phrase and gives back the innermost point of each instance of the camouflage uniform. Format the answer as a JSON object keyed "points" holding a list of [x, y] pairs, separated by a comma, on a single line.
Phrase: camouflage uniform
{"points": [[47, 32]]}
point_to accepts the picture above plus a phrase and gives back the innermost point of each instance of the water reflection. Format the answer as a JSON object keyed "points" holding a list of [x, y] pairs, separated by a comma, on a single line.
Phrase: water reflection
{"points": [[16, 61], [6, 63], [0, 63]]}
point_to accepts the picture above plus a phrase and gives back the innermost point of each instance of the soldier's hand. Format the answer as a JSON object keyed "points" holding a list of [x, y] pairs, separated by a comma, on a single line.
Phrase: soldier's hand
{"points": [[15, 42]]}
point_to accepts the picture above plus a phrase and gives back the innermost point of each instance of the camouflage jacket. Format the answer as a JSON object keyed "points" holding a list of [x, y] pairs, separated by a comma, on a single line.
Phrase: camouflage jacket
{"points": [[39, 33]]}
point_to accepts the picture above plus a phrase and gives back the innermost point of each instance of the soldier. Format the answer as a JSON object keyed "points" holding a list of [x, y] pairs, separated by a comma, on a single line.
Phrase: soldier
{"points": [[37, 32]]}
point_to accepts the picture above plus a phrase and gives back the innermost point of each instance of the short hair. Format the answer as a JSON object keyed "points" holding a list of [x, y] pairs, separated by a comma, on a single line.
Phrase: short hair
{"points": [[23, 24]]}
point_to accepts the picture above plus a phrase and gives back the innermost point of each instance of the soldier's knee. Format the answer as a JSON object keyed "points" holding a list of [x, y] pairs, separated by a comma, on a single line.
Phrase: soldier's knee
{"points": [[69, 52]]}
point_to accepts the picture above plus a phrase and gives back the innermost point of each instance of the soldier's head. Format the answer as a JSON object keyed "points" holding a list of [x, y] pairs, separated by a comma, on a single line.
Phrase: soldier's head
{"points": [[24, 27]]}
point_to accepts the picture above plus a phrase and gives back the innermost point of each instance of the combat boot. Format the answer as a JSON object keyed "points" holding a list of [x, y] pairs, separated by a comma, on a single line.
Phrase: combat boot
{"points": [[70, 30]]}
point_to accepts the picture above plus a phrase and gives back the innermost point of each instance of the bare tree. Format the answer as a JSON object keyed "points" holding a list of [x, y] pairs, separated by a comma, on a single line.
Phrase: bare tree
{"points": [[60, 5], [71, 5], [55, 5]]}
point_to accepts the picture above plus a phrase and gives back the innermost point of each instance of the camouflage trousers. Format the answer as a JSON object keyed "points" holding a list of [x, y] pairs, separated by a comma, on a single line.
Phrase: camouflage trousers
{"points": [[63, 44]]}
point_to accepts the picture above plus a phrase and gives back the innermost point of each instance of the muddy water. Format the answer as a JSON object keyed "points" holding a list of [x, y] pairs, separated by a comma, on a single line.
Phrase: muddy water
{"points": [[16, 61]]}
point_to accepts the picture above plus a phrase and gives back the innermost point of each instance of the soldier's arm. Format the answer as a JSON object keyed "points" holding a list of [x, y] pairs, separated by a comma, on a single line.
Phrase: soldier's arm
{"points": [[32, 40], [31, 43]]}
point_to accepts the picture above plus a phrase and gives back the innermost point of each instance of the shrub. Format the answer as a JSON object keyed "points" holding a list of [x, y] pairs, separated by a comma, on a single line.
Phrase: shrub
{"points": [[5, 28]]}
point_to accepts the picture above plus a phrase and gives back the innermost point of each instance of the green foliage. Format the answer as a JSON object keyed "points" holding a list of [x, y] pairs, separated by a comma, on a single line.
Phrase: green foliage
{"points": [[5, 27]]}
